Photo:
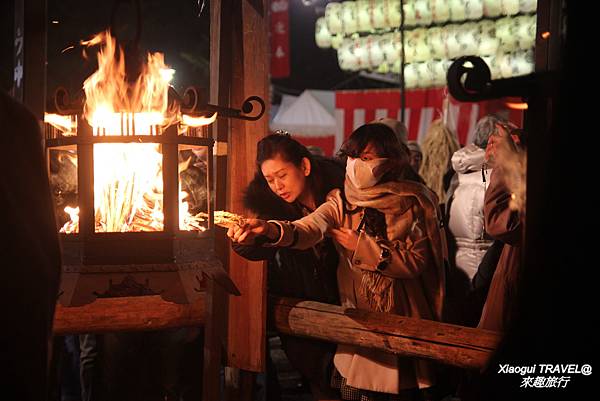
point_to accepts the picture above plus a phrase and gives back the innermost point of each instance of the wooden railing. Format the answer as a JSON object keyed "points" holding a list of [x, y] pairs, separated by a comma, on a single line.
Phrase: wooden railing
{"points": [[127, 314], [450, 344]]}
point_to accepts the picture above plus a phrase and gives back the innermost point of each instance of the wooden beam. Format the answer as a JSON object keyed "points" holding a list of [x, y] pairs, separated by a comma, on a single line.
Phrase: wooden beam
{"points": [[127, 314], [450, 344]]}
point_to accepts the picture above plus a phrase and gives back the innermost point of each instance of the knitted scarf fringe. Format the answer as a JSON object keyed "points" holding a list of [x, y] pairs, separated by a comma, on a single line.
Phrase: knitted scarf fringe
{"points": [[378, 290]]}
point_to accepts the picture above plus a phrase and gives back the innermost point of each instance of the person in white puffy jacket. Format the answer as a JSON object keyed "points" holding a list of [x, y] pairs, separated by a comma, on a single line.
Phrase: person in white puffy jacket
{"points": [[465, 198]]}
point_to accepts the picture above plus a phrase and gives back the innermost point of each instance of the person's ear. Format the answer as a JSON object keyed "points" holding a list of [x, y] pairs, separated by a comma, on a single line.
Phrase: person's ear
{"points": [[306, 166]]}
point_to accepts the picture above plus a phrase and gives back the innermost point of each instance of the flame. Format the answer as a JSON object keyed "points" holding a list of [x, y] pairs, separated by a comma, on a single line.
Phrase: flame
{"points": [[128, 181], [198, 121], [73, 225], [66, 124], [109, 92]]}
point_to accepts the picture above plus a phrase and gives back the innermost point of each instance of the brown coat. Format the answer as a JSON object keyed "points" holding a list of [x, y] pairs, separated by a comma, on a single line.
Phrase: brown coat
{"points": [[418, 286], [503, 224]]}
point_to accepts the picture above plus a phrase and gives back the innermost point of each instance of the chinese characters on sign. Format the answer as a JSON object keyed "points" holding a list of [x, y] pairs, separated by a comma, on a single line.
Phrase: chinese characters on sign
{"points": [[19, 52], [280, 43]]}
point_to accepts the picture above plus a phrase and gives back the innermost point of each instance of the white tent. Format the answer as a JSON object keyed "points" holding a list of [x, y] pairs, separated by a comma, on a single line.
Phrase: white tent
{"points": [[305, 117]]}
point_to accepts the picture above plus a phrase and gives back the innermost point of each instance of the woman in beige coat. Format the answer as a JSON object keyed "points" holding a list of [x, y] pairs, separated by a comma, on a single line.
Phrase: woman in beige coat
{"points": [[386, 228]]}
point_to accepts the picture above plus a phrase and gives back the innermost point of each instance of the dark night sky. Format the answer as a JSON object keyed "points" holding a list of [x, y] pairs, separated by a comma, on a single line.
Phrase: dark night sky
{"points": [[175, 29]]}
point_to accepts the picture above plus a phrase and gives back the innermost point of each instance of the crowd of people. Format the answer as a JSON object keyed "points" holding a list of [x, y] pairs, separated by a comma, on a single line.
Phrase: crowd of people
{"points": [[420, 232], [386, 226]]}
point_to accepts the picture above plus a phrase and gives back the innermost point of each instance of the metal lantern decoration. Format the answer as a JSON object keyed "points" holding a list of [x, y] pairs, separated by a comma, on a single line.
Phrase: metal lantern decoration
{"points": [[131, 168]]}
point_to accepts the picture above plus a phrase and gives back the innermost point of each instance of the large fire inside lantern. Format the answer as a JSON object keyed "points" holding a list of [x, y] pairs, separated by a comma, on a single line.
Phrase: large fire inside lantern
{"points": [[131, 168]]}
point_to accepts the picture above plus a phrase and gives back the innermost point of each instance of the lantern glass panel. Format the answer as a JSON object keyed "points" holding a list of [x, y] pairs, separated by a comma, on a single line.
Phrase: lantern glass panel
{"points": [[63, 182], [128, 187], [194, 190]]}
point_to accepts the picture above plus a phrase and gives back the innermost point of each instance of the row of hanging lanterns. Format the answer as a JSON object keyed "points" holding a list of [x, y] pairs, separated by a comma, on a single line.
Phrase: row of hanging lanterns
{"points": [[350, 17], [505, 43]]}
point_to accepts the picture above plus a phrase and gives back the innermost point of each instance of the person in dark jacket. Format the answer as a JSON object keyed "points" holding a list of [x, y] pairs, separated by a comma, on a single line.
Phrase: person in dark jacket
{"points": [[290, 183], [31, 257]]}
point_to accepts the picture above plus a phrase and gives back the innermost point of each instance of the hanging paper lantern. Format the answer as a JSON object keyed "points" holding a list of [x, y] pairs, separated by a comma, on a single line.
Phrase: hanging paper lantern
{"points": [[488, 42], [391, 46], [449, 33], [492, 8], [393, 13], [506, 32], [373, 45], [523, 63], [410, 49], [437, 43], [510, 7], [364, 16], [361, 54], [526, 26], [423, 15], [527, 6], [346, 58], [411, 75], [458, 10], [383, 68], [417, 46], [440, 11], [506, 62], [439, 69], [467, 36], [410, 16], [378, 14], [474, 9], [493, 63], [349, 17], [336, 40], [395, 67], [322, 34], [333, 17], [425, 75]]}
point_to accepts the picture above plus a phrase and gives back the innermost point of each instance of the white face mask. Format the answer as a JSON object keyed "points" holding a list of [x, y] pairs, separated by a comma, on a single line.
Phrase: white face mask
{"points": [[362, 173]]}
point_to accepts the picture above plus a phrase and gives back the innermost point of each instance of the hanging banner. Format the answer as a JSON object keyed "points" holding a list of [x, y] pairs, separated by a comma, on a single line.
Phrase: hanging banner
{"points": [[280, 41]]}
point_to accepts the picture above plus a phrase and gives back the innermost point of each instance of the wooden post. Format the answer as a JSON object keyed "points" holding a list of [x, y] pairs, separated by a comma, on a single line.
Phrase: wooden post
{"points": [[238, 61], [249, 76], [247, 323]]}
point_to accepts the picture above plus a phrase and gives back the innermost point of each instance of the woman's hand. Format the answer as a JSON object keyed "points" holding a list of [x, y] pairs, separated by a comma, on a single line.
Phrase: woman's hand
{"points": [[345, 237], [246, 234]]}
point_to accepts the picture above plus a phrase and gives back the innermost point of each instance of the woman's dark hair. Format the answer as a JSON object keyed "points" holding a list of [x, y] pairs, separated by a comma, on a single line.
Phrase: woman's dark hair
{"points": [[386, 145], [292, 151], [282, 145]]}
